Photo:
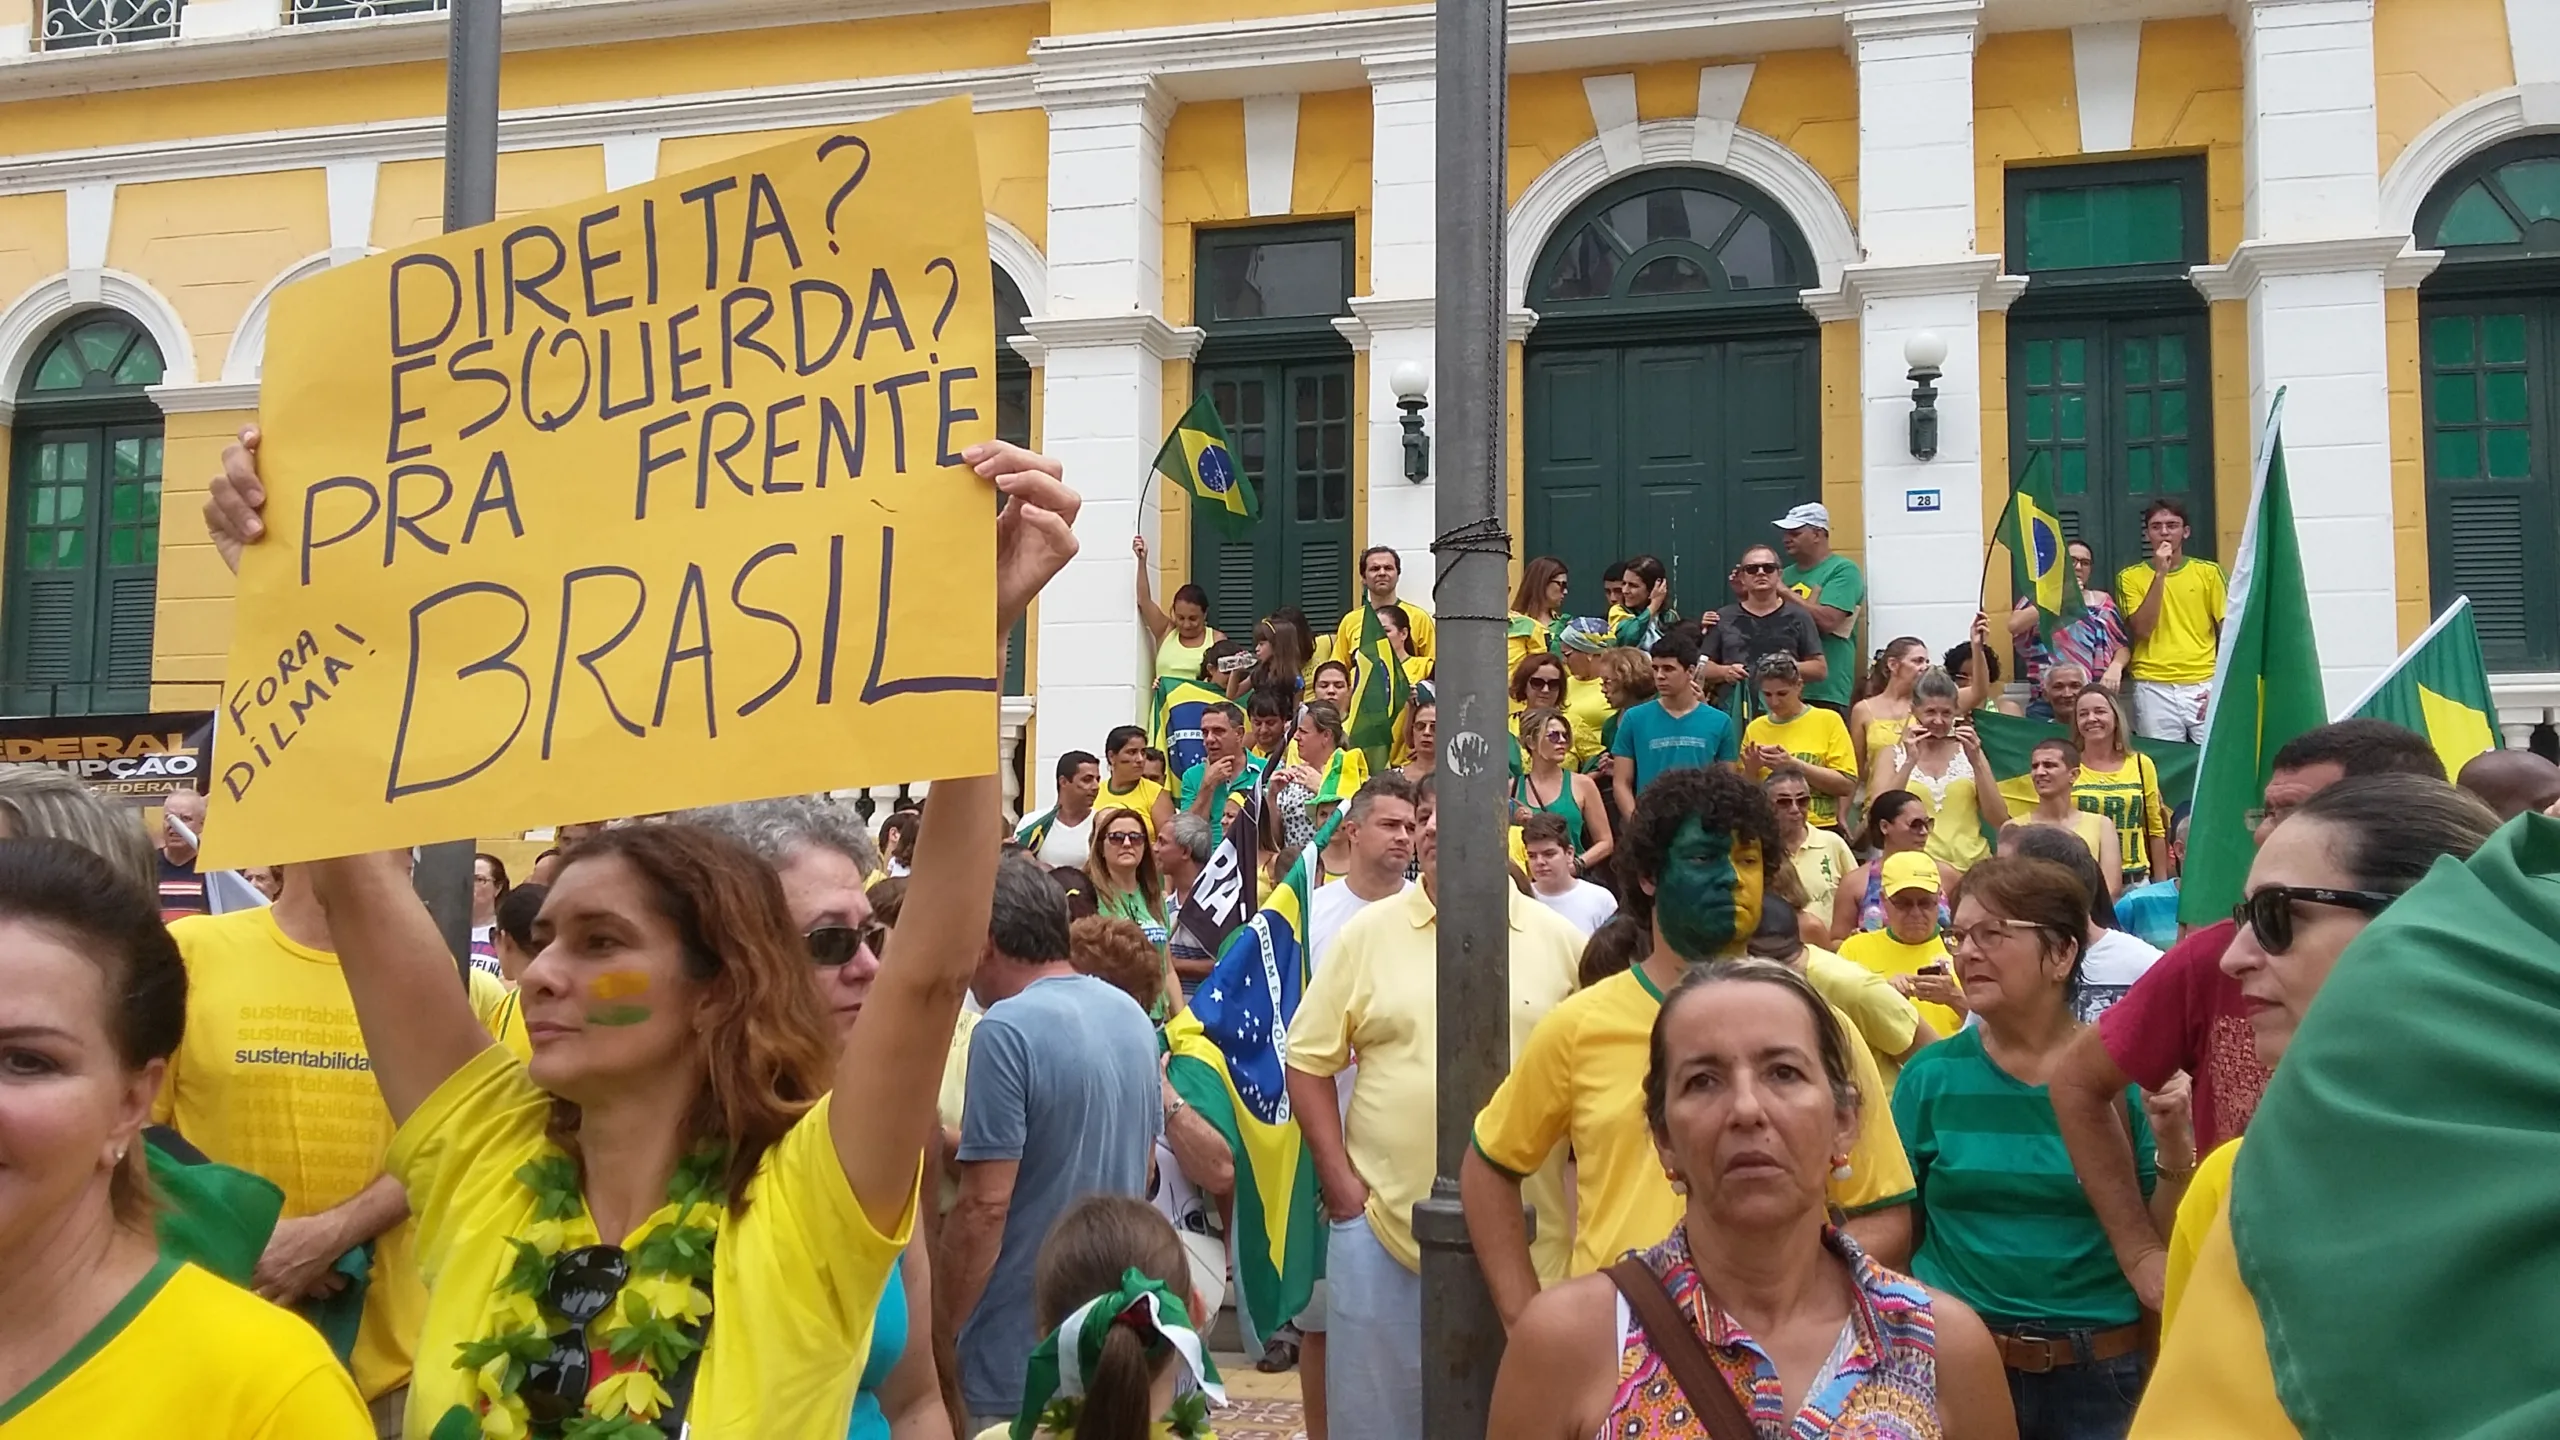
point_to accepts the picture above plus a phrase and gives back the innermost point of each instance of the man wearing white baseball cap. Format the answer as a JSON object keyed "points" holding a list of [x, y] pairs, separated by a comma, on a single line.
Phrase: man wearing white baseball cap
{"points": [[1834, 589]]}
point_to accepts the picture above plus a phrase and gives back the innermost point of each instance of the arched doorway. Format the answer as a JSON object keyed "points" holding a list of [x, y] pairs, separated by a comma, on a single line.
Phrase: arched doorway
{"points": [[84, 523], [2489, 338], [1673, 381]]}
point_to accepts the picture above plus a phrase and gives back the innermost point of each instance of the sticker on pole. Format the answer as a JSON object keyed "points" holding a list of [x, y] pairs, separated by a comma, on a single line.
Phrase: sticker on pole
{"points": [[649, 501]]}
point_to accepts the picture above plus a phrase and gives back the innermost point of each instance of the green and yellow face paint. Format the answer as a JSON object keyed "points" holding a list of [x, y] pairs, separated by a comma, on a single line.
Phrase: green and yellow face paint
{"points": [[613, 998], [1707, 899]]}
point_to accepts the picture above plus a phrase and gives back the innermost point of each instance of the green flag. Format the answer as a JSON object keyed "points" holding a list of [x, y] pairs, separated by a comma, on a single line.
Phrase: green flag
{"points": [[2398, 1173], [2440, 688], [1380, 691], [2266, 690]]}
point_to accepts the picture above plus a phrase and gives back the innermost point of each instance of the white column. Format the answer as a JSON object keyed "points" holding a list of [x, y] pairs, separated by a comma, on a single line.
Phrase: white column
{"points": [[1915, 219], [1104, 342], [2313, 267], [1394, 321]]}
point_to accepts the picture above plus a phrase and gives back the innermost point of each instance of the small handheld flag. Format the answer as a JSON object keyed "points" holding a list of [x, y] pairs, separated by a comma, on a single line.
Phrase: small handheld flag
{"points": [[1195, 456], [2039, 559]]}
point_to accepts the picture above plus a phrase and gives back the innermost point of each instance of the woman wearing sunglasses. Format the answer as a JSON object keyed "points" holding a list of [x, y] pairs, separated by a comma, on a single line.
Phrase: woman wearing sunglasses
{"points": [[677, 1101], [2328, 869], [1122, 866], [820, 852], [1546, 785]]}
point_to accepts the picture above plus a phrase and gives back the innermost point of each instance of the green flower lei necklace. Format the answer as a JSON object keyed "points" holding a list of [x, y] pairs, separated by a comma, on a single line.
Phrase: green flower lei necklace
{"points": [[648, 1328]]}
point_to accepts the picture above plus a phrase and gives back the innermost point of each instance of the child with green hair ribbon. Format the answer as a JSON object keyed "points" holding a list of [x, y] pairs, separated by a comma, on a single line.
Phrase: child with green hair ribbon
{"points": [[1113, 1287]]}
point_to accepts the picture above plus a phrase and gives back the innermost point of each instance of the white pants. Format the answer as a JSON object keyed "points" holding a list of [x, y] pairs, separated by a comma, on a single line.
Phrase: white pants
{"points": [[1373, 1354], [2164, 711]]}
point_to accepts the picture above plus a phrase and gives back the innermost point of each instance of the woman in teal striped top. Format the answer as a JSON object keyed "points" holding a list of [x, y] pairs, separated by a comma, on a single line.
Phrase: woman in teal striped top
{"points": [[2004, 1224]]}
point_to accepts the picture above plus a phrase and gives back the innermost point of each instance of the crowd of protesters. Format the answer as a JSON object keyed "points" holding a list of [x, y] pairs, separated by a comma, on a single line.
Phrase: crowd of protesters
{"points": [[1847, 1098]]}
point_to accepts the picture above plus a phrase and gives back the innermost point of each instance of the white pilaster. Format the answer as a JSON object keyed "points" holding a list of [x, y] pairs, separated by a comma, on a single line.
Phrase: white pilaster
{"points": [[1916, 186], [1395, 322], [2533, 39], [2312, 268], [1104, 342]]}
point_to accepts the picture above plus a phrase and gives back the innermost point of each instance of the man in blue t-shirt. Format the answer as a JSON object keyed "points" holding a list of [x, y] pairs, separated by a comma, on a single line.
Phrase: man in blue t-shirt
{"points": [[1675, 730], [1064, 1100]]}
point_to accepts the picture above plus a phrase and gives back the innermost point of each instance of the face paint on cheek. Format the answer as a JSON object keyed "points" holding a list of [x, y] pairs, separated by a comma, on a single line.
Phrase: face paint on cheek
{"points": [[612, 993], [1709, 893]]}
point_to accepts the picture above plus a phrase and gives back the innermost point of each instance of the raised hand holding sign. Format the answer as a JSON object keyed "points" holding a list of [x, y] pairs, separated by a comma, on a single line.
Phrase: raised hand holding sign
{"points": [[652, 501]]}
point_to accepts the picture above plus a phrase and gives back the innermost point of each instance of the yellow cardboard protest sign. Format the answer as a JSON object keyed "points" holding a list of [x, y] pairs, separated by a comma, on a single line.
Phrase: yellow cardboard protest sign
{"points": [[649, 501]]}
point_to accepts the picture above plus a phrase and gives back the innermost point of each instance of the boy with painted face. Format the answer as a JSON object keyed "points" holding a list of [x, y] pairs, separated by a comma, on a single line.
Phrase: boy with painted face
{"points": [[1697, 856]]}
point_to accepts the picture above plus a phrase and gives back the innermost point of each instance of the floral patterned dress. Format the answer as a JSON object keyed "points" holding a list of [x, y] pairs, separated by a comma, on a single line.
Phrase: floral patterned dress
{"points": [[1881, 1382]]}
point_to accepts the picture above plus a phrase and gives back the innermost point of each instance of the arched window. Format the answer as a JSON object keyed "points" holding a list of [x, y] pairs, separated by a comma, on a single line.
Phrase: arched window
{"points": [[1689, 237], [84, 523], [2504, 205], [2489, 352], [1672, 387]]}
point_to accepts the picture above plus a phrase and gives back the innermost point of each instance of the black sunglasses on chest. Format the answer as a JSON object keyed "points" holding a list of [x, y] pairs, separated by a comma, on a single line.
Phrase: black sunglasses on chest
{"points": [[2268, 911], [583, 1282]]}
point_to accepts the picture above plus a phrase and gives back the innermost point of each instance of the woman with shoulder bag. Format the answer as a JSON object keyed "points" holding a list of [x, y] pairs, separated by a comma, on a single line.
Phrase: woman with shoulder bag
{"points": [[1757, 1316]]}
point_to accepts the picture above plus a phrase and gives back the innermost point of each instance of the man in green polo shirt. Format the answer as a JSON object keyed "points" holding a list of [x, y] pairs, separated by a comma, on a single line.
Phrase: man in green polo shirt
{"points": [[1226, 773], [1832, 587]]}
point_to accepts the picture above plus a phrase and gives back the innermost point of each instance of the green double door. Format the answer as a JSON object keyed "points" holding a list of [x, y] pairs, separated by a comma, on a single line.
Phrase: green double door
{"points": [[2492, 388], [1684, 451], [2111, 413], [84, 545], [1289, 425]]}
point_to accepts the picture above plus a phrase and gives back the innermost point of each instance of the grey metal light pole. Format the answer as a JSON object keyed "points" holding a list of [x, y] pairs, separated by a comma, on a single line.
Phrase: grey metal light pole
{"points": [[470, 198], [1461, 1335]]}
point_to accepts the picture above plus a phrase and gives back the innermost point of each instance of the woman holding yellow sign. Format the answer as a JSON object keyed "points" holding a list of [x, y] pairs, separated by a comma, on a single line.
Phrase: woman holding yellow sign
{"points": [[641, 1231]]}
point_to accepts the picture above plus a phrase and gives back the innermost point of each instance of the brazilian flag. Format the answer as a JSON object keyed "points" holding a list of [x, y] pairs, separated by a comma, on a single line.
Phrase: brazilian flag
{"points": [[2440, 688], [1195, 456], [2039, 567], [1174, 722], [2009, 742], [1381, 691]]}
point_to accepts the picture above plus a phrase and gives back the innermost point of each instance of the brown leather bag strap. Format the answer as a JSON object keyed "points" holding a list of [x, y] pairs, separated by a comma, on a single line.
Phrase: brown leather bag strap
{"points": [[1681, 1351]]}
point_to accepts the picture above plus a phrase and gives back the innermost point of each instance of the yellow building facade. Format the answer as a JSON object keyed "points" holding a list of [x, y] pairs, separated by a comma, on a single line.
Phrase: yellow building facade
{"points": [[2128, 222]]}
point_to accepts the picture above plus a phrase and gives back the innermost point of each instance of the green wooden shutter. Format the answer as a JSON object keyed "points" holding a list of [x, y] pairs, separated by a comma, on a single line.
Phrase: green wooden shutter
{"points": [[2111, 411], [2489, 372], [1289, 425]]}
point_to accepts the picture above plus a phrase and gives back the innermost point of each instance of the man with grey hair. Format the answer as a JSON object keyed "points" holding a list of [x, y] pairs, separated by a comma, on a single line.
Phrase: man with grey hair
{"points": [[1064, 1101], [1183, 849], [823, 856]]}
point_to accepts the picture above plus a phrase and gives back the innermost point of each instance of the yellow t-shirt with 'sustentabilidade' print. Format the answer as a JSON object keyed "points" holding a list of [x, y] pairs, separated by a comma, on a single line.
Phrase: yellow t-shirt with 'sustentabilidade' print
{"points": [[273, 1078], [188, 1353], [1581, 1079], [796, 1273]]}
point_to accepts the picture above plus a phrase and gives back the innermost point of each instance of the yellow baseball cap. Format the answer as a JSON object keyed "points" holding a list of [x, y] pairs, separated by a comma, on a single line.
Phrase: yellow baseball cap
{"points": [[1911, 870]]}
